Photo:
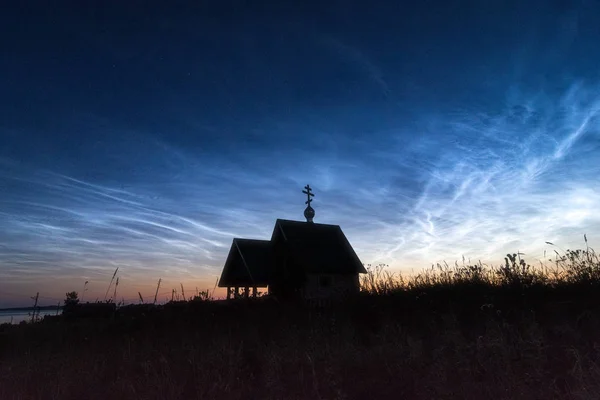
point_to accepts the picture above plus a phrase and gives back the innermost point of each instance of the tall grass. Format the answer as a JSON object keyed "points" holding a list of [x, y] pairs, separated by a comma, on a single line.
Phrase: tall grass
{"points": [[573, 267]]}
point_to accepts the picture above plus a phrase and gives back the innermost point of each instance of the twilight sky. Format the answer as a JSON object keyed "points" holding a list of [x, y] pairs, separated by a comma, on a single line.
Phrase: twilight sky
{"points": [[146, 137]]}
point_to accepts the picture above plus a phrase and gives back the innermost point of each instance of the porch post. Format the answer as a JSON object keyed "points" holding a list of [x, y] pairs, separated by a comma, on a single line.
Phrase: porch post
{"points": [[246, 291], [254, 291], [237, 292], [228, 292]]}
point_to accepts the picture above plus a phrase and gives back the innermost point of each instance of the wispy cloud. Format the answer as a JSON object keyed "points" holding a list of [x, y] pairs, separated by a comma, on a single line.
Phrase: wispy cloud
{"points": [[521, 178], [357, 57]]}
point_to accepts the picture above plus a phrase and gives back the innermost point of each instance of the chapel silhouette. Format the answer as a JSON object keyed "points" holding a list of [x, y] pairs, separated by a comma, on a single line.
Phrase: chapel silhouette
{"points": [[302, 260]]}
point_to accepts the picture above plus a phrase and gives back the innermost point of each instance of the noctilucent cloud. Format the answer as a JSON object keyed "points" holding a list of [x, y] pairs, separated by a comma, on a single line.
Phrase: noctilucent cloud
{"points": [[146, 138]]}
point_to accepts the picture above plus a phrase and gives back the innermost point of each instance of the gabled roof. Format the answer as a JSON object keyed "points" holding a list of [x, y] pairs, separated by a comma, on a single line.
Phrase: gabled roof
{"points": [[319, 248], [250, 263]]}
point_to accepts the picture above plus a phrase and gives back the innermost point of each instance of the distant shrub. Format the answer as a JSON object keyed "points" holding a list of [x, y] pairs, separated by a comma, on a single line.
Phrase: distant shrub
{"points": [[70, 303], [517, 273]]}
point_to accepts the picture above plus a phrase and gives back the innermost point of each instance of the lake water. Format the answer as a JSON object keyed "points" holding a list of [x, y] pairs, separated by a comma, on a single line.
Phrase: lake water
{"points": [[17, 316]]}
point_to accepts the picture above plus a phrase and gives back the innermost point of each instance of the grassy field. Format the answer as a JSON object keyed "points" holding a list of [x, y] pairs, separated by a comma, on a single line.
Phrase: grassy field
{"points": [[451, 332]]}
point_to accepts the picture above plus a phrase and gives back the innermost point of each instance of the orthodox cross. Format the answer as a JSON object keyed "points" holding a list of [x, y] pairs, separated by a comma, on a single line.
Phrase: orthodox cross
{"points": [[308, 194], [309, 213]]}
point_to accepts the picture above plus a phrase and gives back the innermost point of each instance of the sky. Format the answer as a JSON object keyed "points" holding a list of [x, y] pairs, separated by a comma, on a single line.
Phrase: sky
{"points": [[146, 137]]}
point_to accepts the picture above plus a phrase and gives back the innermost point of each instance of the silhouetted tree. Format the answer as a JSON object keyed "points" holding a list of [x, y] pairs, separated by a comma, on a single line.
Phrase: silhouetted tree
{"points": [[71, 302]]}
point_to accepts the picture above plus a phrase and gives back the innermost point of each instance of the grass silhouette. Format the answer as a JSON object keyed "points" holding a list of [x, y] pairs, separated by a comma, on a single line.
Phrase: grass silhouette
{"points": [[513, 331]]}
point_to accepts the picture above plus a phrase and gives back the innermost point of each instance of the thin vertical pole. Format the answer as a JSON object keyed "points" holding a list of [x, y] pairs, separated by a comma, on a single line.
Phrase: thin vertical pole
{"points": [[37, 296], [254, 291], [157, 287]]}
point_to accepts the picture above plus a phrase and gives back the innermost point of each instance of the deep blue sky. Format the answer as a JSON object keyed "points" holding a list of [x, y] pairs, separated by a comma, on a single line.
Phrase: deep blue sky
{"points": [[146, 137]]}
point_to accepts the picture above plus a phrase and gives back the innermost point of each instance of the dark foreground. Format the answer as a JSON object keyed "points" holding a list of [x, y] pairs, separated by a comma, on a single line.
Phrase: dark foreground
{"points": [[470, 332], [471, 342]]}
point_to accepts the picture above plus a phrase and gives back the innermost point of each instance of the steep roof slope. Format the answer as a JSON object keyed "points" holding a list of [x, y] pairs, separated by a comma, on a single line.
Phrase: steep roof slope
{"points": [[319, 248], [250, 263]]}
